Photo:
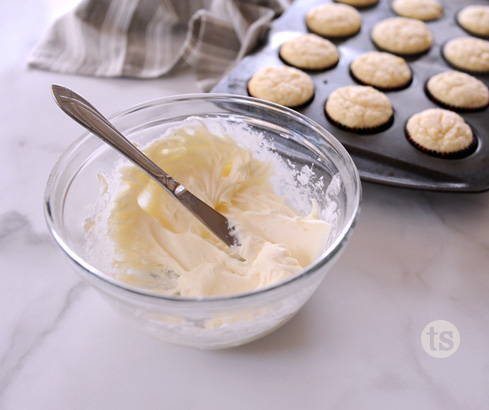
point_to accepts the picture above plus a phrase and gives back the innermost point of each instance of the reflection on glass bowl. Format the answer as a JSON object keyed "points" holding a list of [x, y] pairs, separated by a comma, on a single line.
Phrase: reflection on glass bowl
{"points": [[214, 322]]}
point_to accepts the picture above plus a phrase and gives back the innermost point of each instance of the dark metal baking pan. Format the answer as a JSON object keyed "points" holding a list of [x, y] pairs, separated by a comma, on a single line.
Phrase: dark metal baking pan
{"points": [[385, 157]]}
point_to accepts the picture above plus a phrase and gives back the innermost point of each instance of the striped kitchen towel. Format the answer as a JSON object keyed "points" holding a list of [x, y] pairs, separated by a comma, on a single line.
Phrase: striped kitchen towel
{"points": [[148, 38]]}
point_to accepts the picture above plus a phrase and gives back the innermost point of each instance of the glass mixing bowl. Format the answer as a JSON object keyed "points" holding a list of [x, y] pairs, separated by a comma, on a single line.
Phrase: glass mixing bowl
{"points": [[214, 322]]}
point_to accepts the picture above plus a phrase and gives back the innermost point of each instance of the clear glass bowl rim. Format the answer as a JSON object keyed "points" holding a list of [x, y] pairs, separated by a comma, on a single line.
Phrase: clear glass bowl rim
{"points": [[325, 257]]}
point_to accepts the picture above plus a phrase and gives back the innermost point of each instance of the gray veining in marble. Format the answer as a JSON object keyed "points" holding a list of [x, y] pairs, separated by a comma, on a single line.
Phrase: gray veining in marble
{"points": [[415, 257]]}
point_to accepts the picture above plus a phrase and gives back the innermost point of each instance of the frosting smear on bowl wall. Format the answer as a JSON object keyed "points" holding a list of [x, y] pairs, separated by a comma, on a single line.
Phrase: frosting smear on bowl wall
{"points": [[151, 241]]}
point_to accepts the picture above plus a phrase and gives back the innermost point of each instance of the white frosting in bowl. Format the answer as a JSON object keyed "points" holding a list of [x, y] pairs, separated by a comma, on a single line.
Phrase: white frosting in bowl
{"points": [[153, 242]]}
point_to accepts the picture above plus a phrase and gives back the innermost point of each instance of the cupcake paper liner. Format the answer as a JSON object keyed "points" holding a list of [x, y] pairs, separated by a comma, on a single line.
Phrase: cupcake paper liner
{"points": [[329, 36], [424, 21], [311, 70], [386, 89], [449, 106], [472, 33], [465, 70], [361, 131], [445, 155], [294, 107], [366, 7], [407, 56]]}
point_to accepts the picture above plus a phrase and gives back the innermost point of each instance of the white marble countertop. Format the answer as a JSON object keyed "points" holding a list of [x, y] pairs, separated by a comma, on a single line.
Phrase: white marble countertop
{"points": [[415, 257]]}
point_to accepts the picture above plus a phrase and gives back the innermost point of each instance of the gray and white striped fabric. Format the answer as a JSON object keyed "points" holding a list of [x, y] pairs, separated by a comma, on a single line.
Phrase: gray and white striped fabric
{"points": [[149, 38]]}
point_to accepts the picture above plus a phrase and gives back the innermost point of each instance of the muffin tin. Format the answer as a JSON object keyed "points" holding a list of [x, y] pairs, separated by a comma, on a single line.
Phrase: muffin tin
{"points": [[386, 157]]}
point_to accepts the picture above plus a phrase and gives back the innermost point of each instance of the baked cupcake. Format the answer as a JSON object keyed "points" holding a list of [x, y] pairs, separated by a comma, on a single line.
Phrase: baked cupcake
{"points": [[475, 19], [468, 53], [334, 20], [402, 35], [458, 90], [425, 10], [282, 85], [359, 3], [358, 108], [440, 133], [381, 70], [309, 52]]}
